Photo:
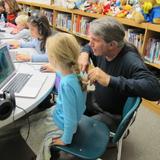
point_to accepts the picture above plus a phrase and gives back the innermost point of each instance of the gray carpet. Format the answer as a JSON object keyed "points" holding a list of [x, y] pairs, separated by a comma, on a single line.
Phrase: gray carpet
{"points": [[15, 148]]}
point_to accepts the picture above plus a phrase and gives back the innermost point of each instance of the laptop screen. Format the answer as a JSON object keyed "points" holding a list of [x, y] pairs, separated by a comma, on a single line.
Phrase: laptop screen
{"points": [[6, 65]]}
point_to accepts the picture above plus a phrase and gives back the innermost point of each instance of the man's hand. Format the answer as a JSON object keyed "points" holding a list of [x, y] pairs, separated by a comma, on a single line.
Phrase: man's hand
{"points": [[83, 61], [23, 57], [97, 75]]}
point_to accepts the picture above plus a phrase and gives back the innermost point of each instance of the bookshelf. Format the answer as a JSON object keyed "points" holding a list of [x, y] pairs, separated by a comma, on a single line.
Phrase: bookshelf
{"points": [[74, 22]]}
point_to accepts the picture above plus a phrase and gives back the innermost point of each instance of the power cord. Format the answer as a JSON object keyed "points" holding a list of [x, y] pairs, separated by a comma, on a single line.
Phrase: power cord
{"points": [[28, 121]]}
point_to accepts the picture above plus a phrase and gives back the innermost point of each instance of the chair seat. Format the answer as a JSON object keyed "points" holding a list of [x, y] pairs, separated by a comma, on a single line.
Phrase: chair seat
{"points": [[90, 140]]}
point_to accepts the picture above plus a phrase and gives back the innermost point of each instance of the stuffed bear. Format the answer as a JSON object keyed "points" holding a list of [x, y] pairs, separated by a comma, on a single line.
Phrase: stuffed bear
{"points": [[150, 12]]}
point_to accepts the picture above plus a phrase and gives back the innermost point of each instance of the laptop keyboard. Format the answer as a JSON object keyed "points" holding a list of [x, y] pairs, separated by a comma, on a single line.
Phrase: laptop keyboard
{"points": [[18, 82]]}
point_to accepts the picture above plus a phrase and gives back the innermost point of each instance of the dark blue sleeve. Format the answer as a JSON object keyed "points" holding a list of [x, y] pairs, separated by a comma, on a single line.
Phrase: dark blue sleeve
{"points": [[89, 50], [141, 82]]}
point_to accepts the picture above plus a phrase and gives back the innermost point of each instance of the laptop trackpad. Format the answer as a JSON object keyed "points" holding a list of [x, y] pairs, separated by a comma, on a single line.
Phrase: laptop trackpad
{"points": [[32, 87]]}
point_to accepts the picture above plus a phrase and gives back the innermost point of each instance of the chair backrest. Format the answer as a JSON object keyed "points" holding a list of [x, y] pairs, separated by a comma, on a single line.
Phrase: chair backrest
{"points": [[90, 140], [130, 107]]}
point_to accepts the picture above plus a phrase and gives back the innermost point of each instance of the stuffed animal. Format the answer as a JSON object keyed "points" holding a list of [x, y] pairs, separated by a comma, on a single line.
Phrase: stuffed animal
{"points": [[150, 12], [72, 4]]}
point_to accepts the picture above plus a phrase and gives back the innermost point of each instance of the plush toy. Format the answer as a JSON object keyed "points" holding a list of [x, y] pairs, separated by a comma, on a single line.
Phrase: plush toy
{"points": [[92, 6], [79, 3], [106, 7], [150, 12], [72, 4]]}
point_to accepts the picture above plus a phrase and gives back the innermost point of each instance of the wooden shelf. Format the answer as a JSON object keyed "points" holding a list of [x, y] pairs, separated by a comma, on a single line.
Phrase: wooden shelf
{"points": [[61, 9], [63, 29], [46, 6], [92, 15], [130, 22], [151, 105], [81, 35], [153, 27], [125, 21], [153, 64], [36, 4]]}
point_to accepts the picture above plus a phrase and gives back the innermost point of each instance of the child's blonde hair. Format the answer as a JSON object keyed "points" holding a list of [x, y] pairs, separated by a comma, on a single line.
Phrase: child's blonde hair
{"points": [[65, 50], [22, 19]]}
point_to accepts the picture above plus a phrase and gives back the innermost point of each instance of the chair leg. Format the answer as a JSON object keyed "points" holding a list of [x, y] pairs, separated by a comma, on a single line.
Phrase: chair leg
{"points": [[119, 149]]}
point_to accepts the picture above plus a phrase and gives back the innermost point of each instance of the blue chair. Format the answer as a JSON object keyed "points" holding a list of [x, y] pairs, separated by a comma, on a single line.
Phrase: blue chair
{"points": [[83, 143], [84, 146], [128, 117]]}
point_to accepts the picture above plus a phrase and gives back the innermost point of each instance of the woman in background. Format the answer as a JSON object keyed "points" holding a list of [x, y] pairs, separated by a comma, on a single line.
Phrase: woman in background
{"points": [[12, 9], [2, 10]]}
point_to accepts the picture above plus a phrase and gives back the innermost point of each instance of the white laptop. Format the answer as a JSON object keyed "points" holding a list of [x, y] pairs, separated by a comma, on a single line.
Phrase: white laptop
{"points": [[8, 77]]}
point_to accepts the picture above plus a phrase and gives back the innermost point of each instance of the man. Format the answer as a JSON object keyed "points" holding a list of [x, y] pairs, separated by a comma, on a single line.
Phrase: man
{"points": [[119, 71]]}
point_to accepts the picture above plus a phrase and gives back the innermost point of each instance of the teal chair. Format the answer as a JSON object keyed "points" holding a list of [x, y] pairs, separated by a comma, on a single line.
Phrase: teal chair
{"points": [[92, 136], [128, 117], [89, 142]]}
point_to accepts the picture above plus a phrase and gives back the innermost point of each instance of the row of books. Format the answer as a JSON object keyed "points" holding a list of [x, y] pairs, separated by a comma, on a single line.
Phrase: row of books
{"points": [[48, 14], [30, 10], [135, 36], [63, 21], [153, 50], [81, 24]]}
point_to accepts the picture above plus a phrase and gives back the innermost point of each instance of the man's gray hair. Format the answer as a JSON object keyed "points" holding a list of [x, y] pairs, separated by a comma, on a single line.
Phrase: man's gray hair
{"points": [[109, 29]]}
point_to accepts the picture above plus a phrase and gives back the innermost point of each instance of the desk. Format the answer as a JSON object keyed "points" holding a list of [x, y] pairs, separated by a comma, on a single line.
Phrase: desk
{"points": [[6, 34], [28, 104]]}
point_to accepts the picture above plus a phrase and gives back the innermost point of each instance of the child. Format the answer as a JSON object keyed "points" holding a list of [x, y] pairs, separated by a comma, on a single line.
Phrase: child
{"points": [[58, 124], [12, 9], [40, 30], [21, 31]]}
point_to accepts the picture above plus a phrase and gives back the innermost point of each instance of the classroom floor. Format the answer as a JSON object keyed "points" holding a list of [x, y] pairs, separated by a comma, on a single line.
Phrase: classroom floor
{"points": [[143, 143]]}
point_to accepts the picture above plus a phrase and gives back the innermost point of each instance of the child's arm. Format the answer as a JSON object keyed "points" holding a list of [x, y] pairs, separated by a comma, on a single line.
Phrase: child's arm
{"points": [[8, 24], [30, 44], [39, 58], [70, 113]]}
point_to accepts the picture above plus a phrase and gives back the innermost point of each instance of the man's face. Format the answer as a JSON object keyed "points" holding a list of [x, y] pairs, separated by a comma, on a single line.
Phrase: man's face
{"points": [[98, 45]]}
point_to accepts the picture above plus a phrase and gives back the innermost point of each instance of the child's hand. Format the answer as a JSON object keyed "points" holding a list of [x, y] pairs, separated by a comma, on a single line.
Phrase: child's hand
{"points": [[13, 44], [23, 57], [15, 31], [47, 68], [58, 141]]}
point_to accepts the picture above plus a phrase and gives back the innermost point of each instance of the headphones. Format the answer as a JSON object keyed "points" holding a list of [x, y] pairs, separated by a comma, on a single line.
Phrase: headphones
{"points": [[7, 104]]}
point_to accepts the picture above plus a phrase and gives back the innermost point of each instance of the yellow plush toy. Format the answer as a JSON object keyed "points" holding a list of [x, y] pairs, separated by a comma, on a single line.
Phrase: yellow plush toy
{"points": [[150, 12]]}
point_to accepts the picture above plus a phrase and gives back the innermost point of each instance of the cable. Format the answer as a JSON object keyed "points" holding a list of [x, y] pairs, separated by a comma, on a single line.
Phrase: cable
{"points": [[27, 121]]}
